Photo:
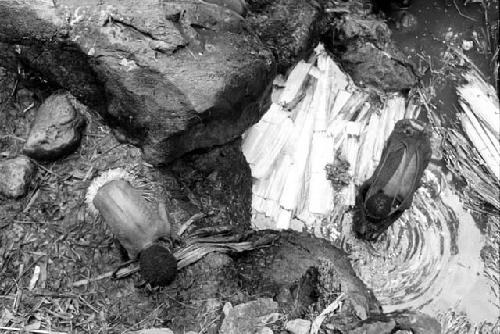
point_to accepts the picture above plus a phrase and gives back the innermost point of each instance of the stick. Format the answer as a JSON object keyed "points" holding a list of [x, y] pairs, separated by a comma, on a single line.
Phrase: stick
{"points": [[329, 309], [90, 280]]}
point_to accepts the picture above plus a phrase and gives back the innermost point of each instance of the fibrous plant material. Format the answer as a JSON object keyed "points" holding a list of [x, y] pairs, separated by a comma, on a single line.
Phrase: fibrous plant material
{"points": [[320, 114], [195, 247], [136, 223], [482, 188], [481, 118]]}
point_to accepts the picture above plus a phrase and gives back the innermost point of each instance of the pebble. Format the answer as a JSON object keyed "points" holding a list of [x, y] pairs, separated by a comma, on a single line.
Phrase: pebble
{"points": [[249, 318], [298, 326], [57, 128], [15, 176], [377, 327]]}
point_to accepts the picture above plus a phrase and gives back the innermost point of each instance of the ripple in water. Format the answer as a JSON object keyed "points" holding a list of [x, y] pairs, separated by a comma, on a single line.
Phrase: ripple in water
{"points": [[430, 261]]}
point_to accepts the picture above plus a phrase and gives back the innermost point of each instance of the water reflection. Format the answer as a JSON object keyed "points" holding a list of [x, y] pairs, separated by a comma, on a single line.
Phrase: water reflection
{"points": [[430, 259]]}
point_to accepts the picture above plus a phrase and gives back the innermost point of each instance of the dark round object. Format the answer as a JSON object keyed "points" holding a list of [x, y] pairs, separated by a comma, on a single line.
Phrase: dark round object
{"points": [[378, 205], [157, 265]]}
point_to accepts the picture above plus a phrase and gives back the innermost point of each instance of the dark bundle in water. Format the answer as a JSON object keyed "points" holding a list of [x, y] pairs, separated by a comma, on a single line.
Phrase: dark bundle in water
{"points": [[384, 197]]}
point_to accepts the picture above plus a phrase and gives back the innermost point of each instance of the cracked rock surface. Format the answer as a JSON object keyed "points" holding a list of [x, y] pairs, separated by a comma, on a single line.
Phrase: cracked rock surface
{"points": [[56, 130], [172, 76]]}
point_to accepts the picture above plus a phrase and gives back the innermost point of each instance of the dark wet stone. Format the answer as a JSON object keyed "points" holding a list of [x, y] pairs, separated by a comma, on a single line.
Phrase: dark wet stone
{"points": [[56, 130], [371, 66], [15, 176]]}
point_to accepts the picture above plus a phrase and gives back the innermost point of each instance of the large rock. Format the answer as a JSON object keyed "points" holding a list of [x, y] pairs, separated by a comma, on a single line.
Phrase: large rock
{"points": [[15, 176], [174, 76], [56, 130]]}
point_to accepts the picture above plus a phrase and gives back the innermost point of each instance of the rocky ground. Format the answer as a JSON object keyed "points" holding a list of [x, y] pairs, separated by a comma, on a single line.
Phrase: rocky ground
{"points": [[73, 105]]}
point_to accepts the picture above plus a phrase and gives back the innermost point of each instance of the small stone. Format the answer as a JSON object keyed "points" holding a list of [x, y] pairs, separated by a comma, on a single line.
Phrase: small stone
{"points": [[237, 6], [298, 326], [264, 330], [467, 45], [247, 318], [377, 327], [227, 308], [15, 176], [57, 128], [360, 311]]}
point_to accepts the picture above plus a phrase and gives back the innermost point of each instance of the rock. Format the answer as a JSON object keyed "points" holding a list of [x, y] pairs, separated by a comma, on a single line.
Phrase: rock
{"points": [[238, 6], [367, 51], [376, 327], [56, 130], [417, 322], [290, 28], [246, 318], [15, 176], [298, 326], [371, 66], [295, 269], [294, 262], [173, 76]]}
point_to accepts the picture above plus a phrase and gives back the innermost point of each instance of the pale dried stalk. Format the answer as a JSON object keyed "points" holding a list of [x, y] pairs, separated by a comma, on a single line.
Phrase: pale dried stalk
{"points": [[483, 101], [320, 191], [351, 154], [337, 303], [481, 118], [295, 85]]}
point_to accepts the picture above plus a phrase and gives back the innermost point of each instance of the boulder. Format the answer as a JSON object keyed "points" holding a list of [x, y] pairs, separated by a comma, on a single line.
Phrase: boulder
{"points": [[15, 176], [56, 130], [172, 76]]}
